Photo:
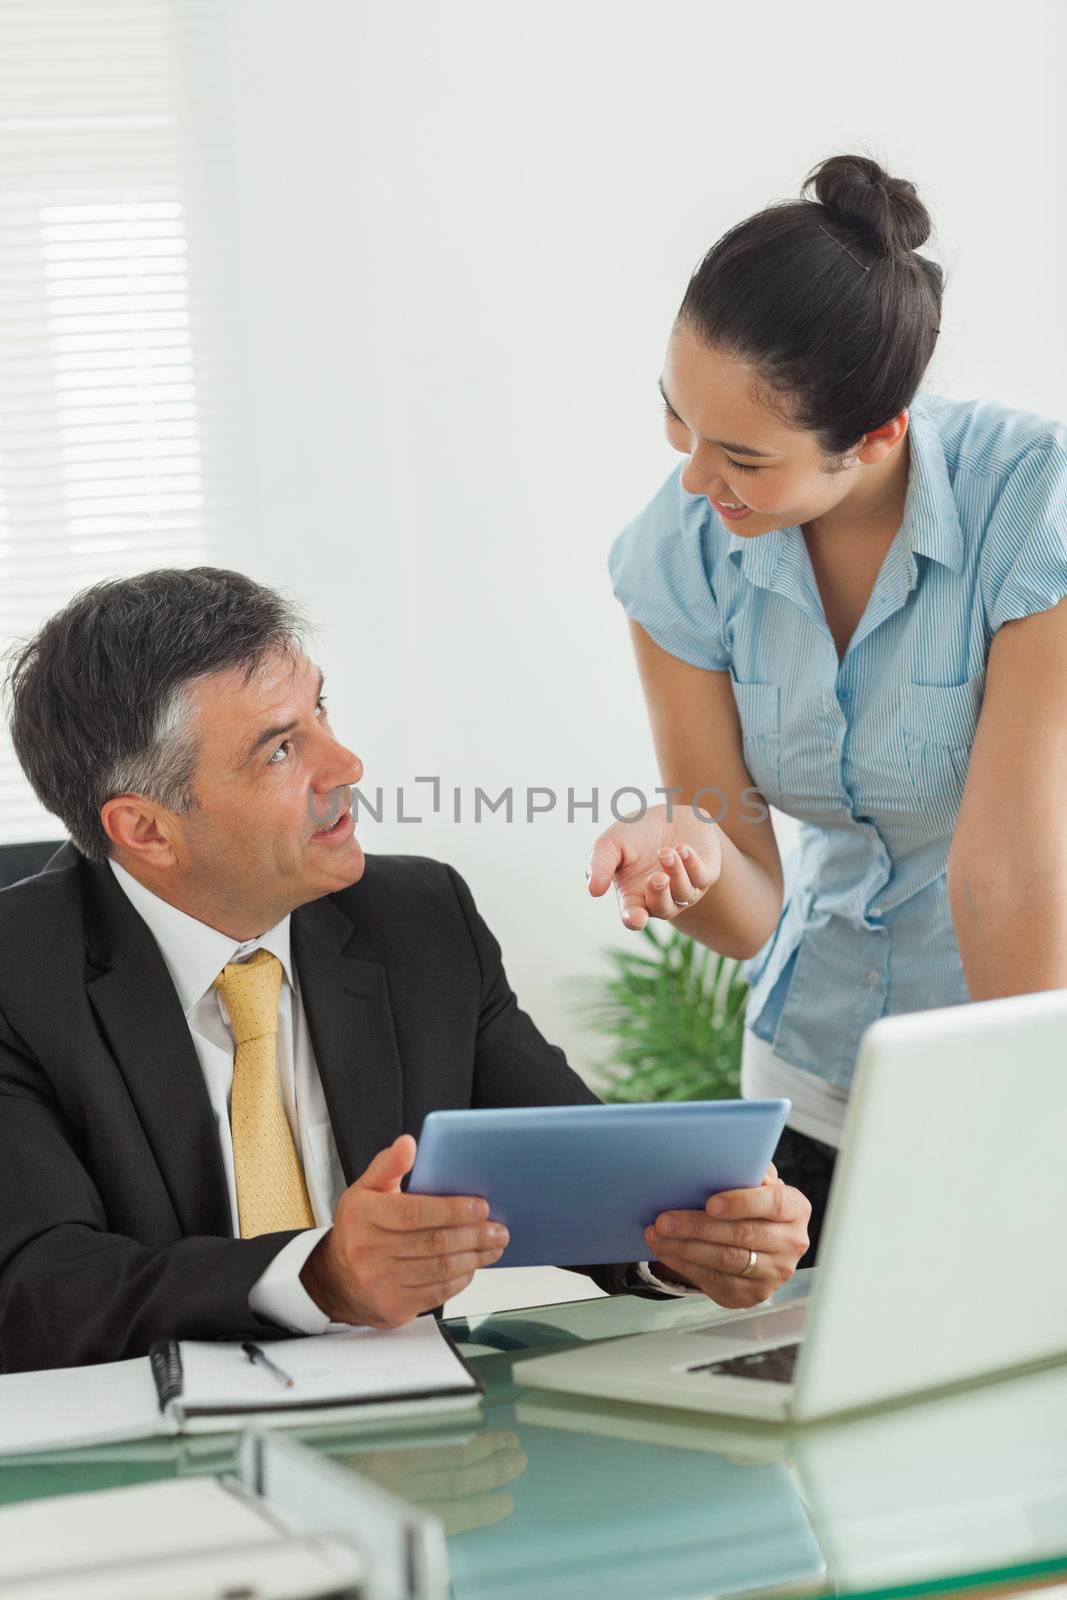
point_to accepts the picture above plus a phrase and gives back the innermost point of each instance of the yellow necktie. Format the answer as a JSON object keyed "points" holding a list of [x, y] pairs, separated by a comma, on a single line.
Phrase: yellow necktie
{"points": [[271, 1192]]}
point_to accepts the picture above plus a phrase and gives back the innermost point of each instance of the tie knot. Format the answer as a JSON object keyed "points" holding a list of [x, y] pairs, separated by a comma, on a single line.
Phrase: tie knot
{"points": [[250, 989]]}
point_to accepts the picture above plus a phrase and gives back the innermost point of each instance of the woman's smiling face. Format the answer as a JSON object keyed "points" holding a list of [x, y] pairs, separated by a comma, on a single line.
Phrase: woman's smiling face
{"points": [[739, 451]]}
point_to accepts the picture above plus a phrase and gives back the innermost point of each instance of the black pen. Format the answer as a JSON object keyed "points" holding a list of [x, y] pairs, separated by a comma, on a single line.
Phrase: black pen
{"points": [[259, 1358]]}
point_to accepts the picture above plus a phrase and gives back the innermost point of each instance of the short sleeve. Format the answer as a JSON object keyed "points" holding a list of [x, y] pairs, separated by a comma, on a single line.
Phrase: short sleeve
{"points": [[1023, 561], [659, 571]]}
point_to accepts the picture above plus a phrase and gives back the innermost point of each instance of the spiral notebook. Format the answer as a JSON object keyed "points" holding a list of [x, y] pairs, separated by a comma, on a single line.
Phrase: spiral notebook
{"points": [[198, 1387]]}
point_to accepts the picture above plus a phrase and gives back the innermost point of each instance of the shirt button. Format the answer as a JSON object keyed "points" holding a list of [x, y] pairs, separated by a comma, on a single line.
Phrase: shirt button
{"points": [[873, 979], [842, 692]]}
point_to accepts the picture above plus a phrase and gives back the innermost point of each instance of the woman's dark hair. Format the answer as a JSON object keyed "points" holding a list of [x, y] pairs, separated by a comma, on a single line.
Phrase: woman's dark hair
{"points": [[827, 301], [100, 700]]}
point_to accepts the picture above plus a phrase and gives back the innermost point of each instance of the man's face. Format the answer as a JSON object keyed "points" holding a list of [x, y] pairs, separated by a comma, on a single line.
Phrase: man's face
{"points": [[274, 826]]}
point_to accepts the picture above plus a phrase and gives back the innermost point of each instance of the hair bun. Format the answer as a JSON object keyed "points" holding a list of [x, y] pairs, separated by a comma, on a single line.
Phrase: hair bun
{"points": [[858, 194]]}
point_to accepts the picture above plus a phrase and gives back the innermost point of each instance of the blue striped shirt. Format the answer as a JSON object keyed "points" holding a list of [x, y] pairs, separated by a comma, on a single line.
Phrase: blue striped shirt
{"points": [[869, 754]]}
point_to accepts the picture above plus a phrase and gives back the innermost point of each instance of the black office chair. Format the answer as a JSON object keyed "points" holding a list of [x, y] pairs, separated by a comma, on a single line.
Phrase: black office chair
{"points": [[18, 861]]}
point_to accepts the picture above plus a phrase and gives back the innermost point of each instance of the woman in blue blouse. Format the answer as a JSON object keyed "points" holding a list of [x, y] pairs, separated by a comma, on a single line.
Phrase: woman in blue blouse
{"points": [[845, 600]]}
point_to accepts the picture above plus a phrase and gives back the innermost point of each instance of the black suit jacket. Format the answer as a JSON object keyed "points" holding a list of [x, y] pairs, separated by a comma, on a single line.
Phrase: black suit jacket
{"points": [[114, 1213]]}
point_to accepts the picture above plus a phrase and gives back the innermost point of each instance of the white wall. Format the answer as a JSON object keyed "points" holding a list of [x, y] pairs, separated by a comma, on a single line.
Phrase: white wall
{"points": [[461, 231]]}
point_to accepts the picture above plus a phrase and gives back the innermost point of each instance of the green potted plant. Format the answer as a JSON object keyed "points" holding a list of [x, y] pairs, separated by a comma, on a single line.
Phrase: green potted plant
{"points": [[675, 1013]]}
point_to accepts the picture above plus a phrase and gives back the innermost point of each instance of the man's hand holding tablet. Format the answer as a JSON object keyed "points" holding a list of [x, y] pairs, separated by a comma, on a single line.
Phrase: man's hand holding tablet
{"points": [[390, 1256], [712, 1249], [675, 1183], [579, 1182]]}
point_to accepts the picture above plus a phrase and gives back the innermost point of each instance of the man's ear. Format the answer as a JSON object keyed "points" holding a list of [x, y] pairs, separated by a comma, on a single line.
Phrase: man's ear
{"points": [[140, 830]]}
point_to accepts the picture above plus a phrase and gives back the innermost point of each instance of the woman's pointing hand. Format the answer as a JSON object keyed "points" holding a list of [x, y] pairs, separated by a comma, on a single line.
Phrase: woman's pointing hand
{"points": [[659, 864]]}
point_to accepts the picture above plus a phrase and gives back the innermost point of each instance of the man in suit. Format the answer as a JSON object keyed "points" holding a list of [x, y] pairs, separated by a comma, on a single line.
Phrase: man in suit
{"points": [[221, 1025]]}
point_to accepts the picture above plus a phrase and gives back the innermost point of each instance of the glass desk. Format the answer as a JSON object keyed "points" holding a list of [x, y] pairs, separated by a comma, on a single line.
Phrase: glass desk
{"points": [[561, 1499]]}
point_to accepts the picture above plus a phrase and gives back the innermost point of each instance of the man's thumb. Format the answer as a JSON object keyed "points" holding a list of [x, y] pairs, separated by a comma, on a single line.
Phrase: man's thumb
{"points": [[389, 1166]]}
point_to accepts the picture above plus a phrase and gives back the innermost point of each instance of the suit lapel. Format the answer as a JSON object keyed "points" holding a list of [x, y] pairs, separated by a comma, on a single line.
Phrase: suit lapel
{"points": [[138, 1009], [346, 1003]]}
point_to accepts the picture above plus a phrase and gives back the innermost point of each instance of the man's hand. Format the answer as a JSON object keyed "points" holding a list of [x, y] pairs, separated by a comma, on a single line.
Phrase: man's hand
{"points": [[390, 1256], [711, 1248]]}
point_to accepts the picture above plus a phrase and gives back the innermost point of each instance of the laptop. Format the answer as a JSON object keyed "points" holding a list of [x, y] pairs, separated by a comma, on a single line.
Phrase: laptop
{"points": [[942, 1256]]}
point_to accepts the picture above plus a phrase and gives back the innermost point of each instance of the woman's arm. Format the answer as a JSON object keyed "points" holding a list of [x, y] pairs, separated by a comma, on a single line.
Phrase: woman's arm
{"points": [[698, 742], [1007, 865], [735, 872]]}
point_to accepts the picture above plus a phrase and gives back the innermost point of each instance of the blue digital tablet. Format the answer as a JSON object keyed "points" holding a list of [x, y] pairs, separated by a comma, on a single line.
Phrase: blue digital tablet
{"points": [[579, 1184]]}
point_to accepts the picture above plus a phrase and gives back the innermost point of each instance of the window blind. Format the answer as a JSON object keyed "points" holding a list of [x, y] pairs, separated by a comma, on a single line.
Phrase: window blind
{"points": [[112, 376]]}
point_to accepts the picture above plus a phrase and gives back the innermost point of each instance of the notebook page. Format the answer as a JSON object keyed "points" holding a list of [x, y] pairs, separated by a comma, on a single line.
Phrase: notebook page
{"points": [[63, 1408], [358, 1364]]}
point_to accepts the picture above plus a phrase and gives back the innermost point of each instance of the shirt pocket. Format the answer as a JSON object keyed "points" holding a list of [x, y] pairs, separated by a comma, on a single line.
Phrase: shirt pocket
{"points": [[761, 736], [938, 722]]}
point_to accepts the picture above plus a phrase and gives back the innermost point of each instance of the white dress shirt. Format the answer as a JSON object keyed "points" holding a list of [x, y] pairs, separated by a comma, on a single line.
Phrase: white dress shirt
{"points": [[195, 954]]}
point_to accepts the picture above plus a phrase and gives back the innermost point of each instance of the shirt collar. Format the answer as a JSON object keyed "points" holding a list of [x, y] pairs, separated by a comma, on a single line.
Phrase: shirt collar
{"points": [[931, 504], [930, 514], [195, 953]]}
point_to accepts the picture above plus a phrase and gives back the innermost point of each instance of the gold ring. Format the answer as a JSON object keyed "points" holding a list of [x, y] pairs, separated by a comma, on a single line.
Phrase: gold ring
{"points": [[750, 1269]]}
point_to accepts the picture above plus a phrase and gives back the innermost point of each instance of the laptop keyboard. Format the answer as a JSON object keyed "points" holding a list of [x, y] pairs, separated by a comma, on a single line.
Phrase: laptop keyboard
{"points": [[774, 1366]]}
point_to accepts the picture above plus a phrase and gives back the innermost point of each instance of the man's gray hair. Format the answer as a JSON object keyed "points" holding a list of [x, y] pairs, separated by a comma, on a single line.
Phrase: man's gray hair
{"points": [[100, 696]]}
